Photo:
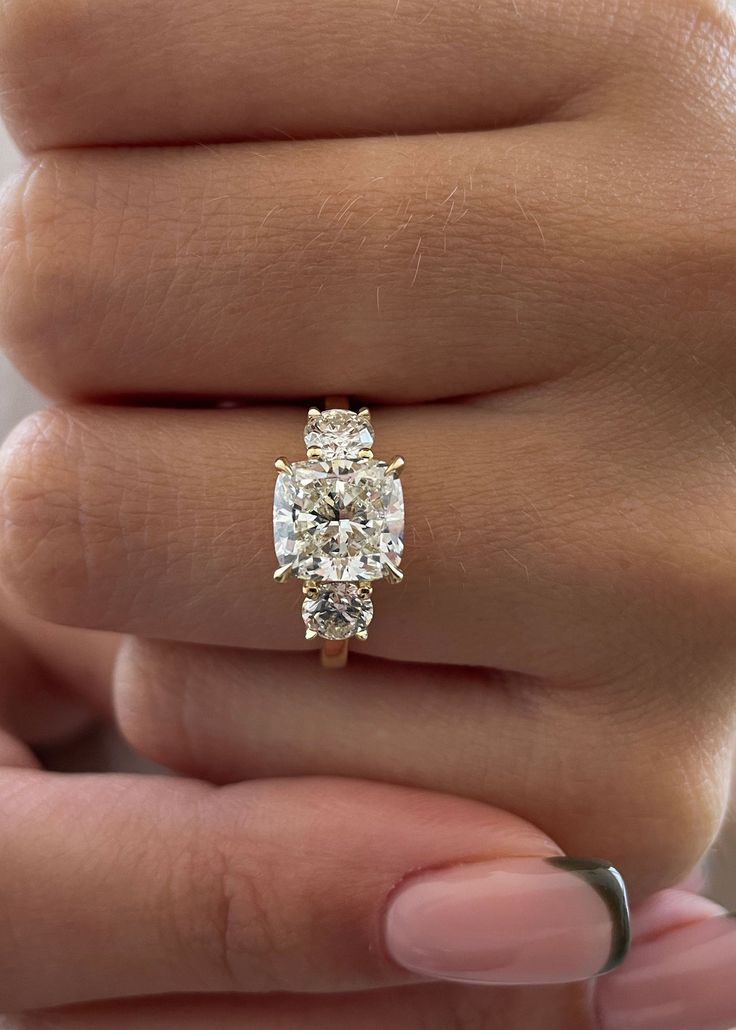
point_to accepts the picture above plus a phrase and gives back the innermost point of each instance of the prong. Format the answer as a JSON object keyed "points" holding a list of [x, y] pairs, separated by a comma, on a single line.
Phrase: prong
{"points": [[393, 572], [363, 635], [311, 634], [310, 589], [314, 452], [366, 590], [282, 573], [314, 413], [365, 413], [396, 466], [282, 465], [365, 452]]}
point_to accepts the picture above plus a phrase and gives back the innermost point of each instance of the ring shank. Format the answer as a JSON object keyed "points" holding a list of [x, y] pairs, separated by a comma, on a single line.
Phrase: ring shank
{"points": [[334, 654]]}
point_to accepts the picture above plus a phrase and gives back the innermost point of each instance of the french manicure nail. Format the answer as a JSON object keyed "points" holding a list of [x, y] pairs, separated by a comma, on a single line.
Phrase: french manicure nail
{"points": [[682, 980], [510, 921]]}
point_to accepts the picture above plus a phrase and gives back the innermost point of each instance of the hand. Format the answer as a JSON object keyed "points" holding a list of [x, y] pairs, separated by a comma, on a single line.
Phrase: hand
{"points": [[572, 536], [118, 886]]}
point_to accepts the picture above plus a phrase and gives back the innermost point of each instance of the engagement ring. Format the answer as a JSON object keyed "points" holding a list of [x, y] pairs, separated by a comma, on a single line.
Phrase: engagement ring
{"points": [[338, 526]]}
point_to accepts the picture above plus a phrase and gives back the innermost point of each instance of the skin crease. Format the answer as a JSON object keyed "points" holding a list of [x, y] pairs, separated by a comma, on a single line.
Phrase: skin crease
{"points": [[551, 231]]}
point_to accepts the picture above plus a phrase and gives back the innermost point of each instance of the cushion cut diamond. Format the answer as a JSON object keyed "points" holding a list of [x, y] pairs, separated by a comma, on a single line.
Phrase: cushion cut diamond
{"points": [[338, 521]]}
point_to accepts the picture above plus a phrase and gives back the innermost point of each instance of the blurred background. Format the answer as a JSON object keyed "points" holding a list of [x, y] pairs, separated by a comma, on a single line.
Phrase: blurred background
{"points": [[18, 399]]}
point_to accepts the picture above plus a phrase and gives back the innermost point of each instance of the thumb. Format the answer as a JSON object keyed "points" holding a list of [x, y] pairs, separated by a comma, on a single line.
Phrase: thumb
{"points": [[305, 885]]}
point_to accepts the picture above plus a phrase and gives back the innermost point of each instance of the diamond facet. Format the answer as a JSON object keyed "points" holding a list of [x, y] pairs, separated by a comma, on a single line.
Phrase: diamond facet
{"points": [[340, 433], [337, 611], [338, 521]]}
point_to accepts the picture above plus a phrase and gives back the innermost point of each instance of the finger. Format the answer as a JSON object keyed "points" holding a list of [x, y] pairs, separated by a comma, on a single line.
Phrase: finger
{"points": [[425, 1007], [74, 666], [672, 910], [169, 271], [261, 70], [157, 523], [38, 702], [228, 715], [679, 973], [15, 754], [172, 886], [32, 707]]}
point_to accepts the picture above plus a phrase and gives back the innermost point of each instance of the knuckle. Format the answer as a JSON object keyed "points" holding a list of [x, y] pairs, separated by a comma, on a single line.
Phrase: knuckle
{"points": [[664, 773], [687, 800], [40, 528], [235, 922], [45, 266], [694, 43], [663, 28], [38, 39], [709, 24], [675, 59]]}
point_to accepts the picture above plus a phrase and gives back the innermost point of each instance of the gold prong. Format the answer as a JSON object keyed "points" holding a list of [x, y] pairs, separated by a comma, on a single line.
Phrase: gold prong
{"points": [[366, 590], [311, 634], [282, 465], [393, 572], [314, 452], [314, 413], [365, 452], [365, 413], [310, 589], [282, 573], [362, 635], [396, 466]]}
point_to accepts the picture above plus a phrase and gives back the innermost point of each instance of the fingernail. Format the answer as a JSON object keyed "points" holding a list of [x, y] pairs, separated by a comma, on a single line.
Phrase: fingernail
{"points": [[683, 980], [510, 921]]}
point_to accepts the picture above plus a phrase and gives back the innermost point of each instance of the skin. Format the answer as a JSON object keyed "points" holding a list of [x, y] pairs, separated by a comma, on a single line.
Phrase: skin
{"points": [[525, 264]]}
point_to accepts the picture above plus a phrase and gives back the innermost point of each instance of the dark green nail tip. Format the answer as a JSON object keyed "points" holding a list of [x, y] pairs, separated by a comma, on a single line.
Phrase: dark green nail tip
{"points": [[609, 884]]}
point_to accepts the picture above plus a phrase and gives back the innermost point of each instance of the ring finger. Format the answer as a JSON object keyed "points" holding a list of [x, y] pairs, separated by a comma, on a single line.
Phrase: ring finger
{"points": [[173, 886], [157, 523]]}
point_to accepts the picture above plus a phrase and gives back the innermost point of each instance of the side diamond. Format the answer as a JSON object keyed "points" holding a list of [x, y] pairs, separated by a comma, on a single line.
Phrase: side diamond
{"points": [[340, 433], [337, 611]]}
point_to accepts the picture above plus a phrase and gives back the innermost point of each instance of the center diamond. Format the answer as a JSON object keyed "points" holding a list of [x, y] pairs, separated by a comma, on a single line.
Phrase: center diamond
{"points": [[338, 521]]}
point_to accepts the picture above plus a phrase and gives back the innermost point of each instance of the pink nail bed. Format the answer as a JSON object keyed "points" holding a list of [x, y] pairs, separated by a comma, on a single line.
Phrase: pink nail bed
{"points": [[682, 980], [510, 921]]}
